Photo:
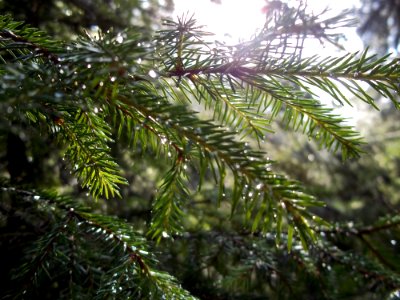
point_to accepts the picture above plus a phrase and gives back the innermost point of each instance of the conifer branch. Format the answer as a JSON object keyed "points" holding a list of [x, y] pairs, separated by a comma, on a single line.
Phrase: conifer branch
{"points": [[199, 107], [247, 87], [134, 262], [167, 208]]}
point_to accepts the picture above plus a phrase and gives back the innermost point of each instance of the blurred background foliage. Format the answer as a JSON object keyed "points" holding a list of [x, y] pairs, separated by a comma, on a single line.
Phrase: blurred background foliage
{"points": [[214, 260]]}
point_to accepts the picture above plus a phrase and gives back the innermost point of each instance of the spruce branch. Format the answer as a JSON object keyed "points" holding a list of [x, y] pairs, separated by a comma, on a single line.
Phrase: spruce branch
{"points": [[286, 80], [218, 148], [167, 208], [229, 106], [89, 154], [132, 271], [15, 43], [143, 84]]}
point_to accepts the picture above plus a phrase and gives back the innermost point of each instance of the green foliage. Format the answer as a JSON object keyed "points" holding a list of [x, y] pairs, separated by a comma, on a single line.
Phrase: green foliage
{"points": [[125, 269], [203, 110]]}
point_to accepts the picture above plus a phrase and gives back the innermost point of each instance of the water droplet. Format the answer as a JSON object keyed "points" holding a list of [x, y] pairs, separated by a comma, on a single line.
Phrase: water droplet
{"points": [[152, 74], [350, 224], [58, 95], [394, 295], [119, 39]]}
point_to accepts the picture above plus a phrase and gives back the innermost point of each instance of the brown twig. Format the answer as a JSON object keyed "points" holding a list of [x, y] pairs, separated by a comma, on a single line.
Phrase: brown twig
{"points": [[5, 33]]}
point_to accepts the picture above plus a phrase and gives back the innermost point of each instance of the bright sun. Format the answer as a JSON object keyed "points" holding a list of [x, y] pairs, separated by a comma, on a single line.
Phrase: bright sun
{"points": [[230, 21]]}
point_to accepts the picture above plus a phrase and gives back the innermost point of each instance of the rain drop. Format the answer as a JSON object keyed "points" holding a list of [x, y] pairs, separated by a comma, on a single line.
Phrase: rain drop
{"points": [[119, 39], [152, 74]]}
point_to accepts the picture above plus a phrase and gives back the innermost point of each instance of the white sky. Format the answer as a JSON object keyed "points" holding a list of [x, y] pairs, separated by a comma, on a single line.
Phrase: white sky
{"points": [[235, 20]]}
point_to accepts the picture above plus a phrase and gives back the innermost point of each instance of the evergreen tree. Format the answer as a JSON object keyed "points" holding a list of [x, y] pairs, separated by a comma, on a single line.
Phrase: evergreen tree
{"points": [[177, 128]]}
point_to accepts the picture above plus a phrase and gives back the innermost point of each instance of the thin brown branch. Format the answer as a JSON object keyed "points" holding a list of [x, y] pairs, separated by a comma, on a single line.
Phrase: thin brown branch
{"points": [[376, 253], [8, 34], [372, 229]]}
